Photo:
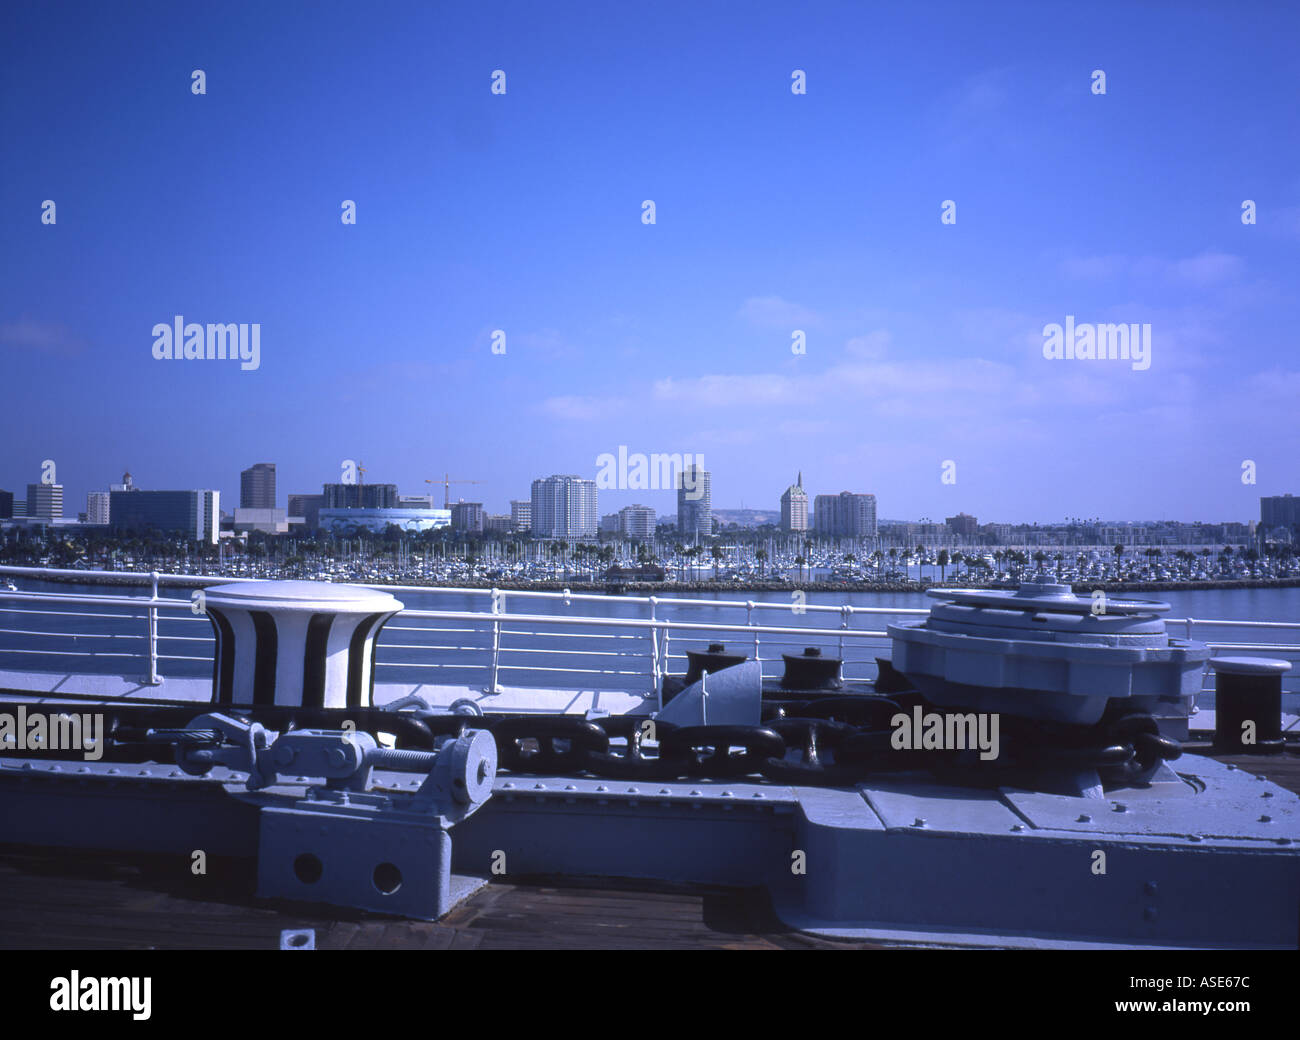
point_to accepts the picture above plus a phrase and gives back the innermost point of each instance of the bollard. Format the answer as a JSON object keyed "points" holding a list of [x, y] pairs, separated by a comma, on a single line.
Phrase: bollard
{"points": [[299, 643], [1248, 690]]}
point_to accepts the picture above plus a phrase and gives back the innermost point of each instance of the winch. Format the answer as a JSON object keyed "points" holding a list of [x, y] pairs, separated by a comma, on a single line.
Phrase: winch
{"points": [[1041, 652]]}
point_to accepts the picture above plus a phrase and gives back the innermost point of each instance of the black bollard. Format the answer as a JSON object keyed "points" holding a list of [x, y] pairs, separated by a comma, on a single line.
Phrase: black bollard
{"points": [[1248, 690]]}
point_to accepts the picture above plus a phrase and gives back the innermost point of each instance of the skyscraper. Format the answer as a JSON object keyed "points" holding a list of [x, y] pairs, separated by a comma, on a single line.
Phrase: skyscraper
{"points": [[45, 501], [846, 515], [564, 507], [97, 507], [794, 507], [360, 496], [467, 517], [695, 501], [195, 514], [257, 486], [521, 515]]}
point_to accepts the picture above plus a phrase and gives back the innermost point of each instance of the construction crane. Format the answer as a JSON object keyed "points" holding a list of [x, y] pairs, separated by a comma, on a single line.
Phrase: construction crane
{"points": [[446, 483]]}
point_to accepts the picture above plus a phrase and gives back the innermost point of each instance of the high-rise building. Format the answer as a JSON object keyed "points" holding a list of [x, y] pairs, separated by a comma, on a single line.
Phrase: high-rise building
{"points": [[257, 486], [794, 507], [196, 514], [45, 501], [498, 523], [1279, 511], [695, 501], [564, 507], [521, 513], [97, 507], [846, 515], [6, 505], [360, 496], [308, 507], [636, 522], [467, 517], [963, 525]]}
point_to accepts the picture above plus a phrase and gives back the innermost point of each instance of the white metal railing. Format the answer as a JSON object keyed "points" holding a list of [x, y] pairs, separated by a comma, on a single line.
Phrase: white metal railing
{"points": [[493, 643]]}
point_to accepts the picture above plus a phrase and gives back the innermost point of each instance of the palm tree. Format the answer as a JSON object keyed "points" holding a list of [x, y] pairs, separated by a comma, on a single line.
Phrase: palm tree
{"points": [[761, 556], [942, 560]]}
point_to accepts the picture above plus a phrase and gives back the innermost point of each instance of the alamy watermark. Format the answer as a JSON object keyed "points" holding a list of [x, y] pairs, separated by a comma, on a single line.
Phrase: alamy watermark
{"points": [[636, 471], [213, 342], [40, 731], [1088, 342], [930, 731]]}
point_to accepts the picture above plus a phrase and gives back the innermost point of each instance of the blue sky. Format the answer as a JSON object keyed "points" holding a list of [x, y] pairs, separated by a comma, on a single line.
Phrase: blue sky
{"points": [[774, 212]]}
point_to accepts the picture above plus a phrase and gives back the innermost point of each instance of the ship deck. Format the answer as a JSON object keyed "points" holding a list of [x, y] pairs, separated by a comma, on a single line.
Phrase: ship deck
{"points": [[66, 899]]}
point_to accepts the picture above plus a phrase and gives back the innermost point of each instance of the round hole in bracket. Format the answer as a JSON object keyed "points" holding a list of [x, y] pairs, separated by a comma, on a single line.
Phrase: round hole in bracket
{"points": [[308, 868], [387, 878]]}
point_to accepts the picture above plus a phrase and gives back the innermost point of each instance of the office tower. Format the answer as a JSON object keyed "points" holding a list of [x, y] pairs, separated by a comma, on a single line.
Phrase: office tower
{"points": [[195, 514], [257, 486], [695, 501], [45, 501]]}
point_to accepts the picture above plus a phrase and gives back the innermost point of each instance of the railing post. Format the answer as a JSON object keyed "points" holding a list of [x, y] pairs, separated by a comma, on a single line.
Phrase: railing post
{"points": [[845, 611], [154, 679], [498, 598], [655, 674]]}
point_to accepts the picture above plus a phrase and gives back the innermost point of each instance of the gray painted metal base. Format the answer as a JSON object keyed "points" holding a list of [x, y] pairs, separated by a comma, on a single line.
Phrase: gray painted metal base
{"points": [[1210, 861]]}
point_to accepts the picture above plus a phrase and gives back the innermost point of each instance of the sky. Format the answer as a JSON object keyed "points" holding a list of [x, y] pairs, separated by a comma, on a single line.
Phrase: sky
{"points": [[921, 376]]}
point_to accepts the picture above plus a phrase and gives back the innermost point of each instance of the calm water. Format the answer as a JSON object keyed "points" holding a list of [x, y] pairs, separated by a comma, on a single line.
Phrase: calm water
{"points": [[113, 640]]}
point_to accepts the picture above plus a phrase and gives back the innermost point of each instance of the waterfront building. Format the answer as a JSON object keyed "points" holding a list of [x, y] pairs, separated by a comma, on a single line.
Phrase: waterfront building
{"points": [[564, 506], [45, 501], [307, 507], [498, 523], [521, 513], [360, 496], [695, 501], [794, 507], [467, 517], [348, 523], [1279, 511], [636, 521], [610, 524], [963, 525], [97, 507], [846, 515], [196, 514], [415, 502], [257, 486]]}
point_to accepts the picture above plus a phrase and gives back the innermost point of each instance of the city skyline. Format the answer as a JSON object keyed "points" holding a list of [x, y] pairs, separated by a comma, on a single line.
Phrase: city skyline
{"points": [[386, 494], [801, 300]]}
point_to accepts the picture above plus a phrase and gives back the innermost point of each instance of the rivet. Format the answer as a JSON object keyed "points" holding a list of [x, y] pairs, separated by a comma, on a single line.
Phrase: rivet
{"points": [[918, 822], [1149, 888], [1014, 826], [1149, 913], [1266, 818], [1084, 818], [1121, 807]]}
